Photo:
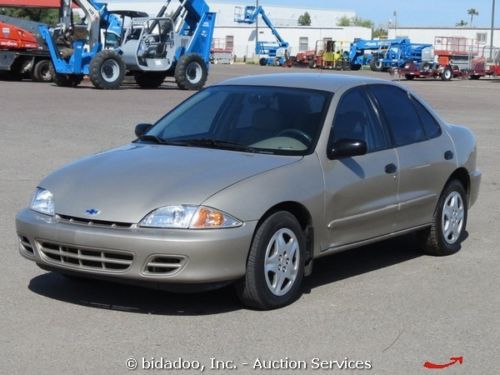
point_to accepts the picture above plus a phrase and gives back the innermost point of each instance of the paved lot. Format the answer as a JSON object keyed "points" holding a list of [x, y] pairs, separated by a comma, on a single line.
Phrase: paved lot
{"points": [[386, 304]]}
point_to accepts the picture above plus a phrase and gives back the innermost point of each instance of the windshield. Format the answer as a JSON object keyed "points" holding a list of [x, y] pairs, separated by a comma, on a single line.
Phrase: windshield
{"points": [[246, 118]]}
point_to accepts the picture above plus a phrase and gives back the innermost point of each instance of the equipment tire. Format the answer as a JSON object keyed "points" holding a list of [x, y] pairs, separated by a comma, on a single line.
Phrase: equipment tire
{"points": [[65, 80], [191, 72], [41, 71], [447, 75], [107, 70]]}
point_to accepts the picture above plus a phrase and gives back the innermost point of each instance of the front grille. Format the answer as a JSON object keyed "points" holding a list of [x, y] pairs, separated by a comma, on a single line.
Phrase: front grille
{"points": [[25, 244], [164, 265], [92, 259], [88, 222]]}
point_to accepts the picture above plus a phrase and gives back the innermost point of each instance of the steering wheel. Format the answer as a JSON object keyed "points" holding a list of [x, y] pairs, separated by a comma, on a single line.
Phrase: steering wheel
{"points": [[298, 134]]}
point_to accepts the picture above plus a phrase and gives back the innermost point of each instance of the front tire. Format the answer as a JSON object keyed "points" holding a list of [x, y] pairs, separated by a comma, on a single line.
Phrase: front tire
{"points": [[449, 222], [275, 265], [107, 70], [191, 72]]}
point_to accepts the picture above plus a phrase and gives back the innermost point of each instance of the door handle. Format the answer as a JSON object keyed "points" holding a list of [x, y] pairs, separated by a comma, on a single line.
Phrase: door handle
{"points": [[391, 168], [448, 155]]}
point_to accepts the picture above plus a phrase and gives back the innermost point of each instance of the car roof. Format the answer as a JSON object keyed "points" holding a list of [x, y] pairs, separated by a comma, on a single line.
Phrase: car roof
{"points": [[316, 81]]}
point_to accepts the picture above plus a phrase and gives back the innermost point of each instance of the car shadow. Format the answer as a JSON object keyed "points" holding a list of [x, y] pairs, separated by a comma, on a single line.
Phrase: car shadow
{"points": [[135, 299], [357, 261]]}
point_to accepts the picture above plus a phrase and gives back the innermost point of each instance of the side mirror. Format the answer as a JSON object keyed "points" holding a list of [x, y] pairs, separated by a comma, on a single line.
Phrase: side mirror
{"points": [[345, 148], [142, 129]]}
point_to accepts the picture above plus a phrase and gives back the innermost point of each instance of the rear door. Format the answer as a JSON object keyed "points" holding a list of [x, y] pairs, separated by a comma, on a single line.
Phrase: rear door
{"points": [[424, 154], [360, 191]]}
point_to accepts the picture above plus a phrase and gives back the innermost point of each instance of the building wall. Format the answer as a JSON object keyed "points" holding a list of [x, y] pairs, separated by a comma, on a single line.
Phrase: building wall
{"points": [[280, 15], [244, 36]]}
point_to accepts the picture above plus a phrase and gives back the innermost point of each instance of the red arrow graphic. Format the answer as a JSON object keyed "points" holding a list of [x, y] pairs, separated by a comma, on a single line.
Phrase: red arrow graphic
{"points": [[453, 360]]}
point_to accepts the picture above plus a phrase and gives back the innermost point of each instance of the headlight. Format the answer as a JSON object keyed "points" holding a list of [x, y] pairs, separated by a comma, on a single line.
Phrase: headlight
{"points": [[189, 217], [43, 202]]}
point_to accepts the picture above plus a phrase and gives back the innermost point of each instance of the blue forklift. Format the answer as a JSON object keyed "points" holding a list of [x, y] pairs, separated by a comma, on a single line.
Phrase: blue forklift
{"points": [[150, 49]]}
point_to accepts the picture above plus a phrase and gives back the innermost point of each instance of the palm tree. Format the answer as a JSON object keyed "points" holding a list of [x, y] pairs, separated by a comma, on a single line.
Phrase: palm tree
{"points": [[472, 12], [462, 23]]}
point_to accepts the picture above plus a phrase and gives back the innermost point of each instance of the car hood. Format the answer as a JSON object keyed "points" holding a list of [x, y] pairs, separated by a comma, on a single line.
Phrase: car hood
{"points": [[126, 183]]}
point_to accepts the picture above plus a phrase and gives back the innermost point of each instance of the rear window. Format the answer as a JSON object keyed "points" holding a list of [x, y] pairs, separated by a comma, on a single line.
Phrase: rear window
{"points": [[431, 126]]}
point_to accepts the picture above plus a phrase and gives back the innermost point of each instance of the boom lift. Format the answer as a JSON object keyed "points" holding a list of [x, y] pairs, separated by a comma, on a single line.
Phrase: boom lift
{"points": [[272, 53], [150, 49], [20, 52], [385, 53]]}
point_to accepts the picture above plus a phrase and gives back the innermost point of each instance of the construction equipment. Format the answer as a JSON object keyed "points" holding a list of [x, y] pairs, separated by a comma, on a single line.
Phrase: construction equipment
{"points": [[385, 53], [270, 53], [221, 52], [329, 54], [150, 49], [492, 58], [454, 57], [20, 52]]}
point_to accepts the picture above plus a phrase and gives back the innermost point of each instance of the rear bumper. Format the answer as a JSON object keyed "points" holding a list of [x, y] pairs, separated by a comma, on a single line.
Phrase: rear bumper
{"points": [[475, 182], [205, 256]]}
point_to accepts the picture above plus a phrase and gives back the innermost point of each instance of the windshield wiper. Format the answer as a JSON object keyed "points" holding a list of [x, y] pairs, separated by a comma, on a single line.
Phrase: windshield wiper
{"points": [[160, 141], [217, 143], [151, 138]]}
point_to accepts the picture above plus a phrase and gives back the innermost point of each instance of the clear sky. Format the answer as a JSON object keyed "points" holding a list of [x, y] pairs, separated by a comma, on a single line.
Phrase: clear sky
{"points": [[409, 12]]}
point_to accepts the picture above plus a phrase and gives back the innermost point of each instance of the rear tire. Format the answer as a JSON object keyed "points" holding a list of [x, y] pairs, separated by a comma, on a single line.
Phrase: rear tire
{"points": [[409, 77], [263, 61], [450, 219], [355, 66], [107, 70], [41, 71], [191, 72], [275, 265], [150, 80]]}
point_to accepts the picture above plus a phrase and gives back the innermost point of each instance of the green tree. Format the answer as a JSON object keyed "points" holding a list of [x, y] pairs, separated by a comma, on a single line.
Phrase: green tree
{"points": [[358, 21], [462, 23], [48, 16], [344, 21], [472, 12], [305, 19], [380, 33]]}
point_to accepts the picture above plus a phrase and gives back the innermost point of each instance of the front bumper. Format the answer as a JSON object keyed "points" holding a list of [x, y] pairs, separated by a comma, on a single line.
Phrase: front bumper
{"points": [[135, 254]]}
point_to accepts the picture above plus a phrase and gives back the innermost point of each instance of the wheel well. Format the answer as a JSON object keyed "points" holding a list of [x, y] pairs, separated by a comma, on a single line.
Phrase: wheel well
{"points": [[304, 218], [462, 175]]}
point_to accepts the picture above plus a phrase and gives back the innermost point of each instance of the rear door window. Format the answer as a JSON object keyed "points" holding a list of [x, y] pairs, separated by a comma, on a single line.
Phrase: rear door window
{"points": [[400, 114]]}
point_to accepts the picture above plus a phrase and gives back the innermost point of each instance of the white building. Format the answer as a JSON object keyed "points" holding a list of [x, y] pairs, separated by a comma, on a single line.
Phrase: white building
{"points": [[241, 37]]}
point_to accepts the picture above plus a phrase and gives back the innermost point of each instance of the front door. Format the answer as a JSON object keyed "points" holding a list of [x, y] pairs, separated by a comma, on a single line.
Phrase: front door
{"points": [[360, 191]]}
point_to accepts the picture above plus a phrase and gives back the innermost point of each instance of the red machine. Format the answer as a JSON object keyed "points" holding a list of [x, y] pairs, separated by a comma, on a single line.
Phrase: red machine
{"points": [[20, 52], [12, 37], [455, 57]]}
